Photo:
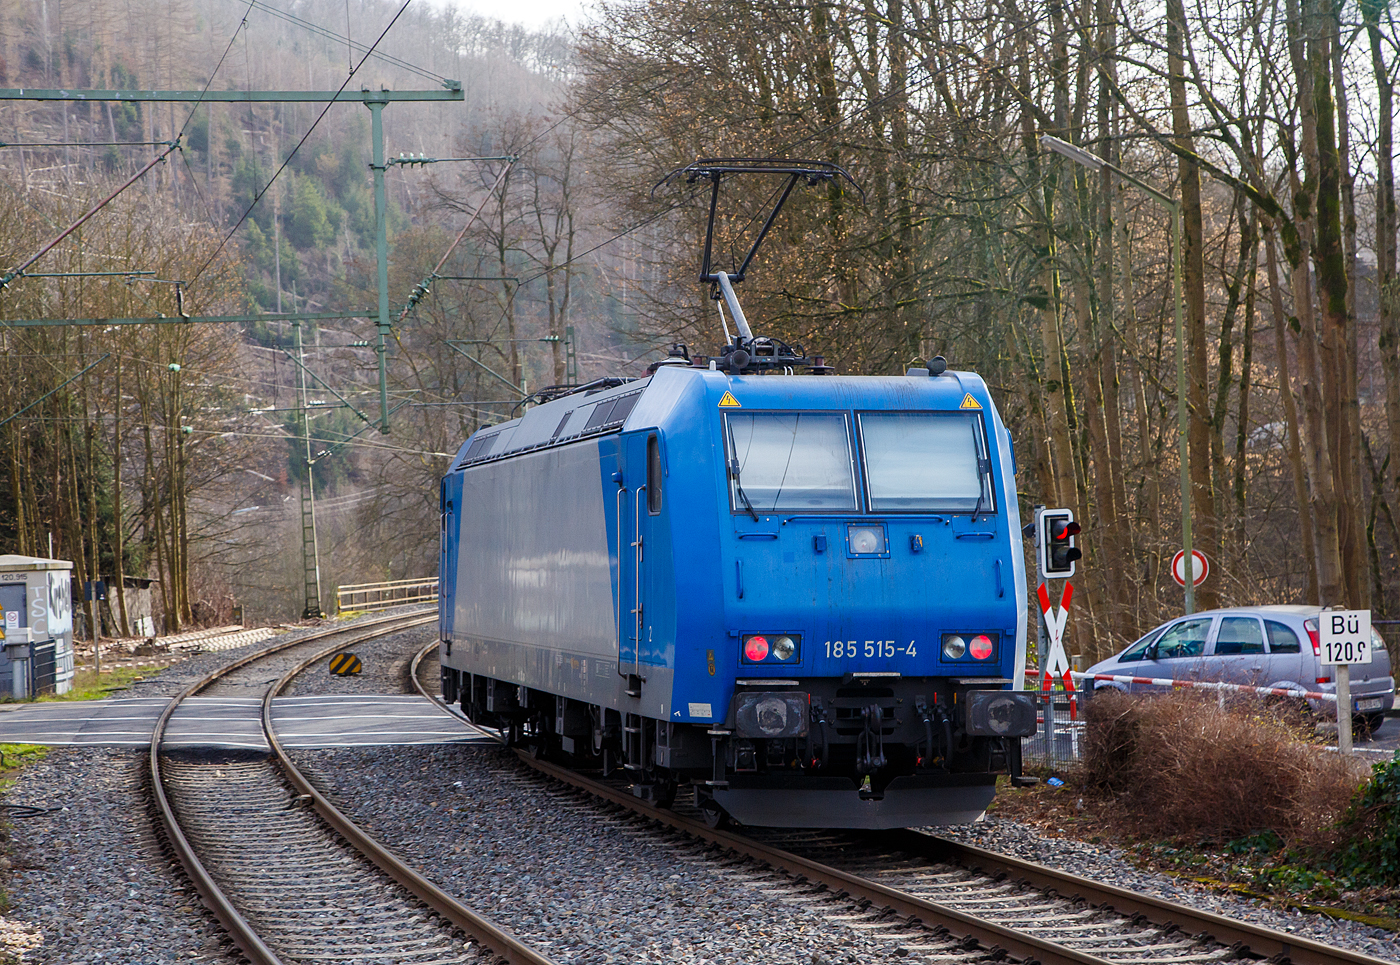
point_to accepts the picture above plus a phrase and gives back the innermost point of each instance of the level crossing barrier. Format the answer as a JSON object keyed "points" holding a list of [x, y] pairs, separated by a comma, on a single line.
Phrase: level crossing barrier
{"points": [[1060, 728]]}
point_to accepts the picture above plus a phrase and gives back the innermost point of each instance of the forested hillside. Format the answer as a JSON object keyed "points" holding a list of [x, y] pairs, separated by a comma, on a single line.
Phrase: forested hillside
{"points": [[204, 496], [181, 451]]}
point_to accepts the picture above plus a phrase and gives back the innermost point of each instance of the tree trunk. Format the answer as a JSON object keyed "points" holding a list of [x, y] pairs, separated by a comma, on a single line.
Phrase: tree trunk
{"points": [[1308, 538], [1205, 527], [118, 518], [1235, 288], [1316, 371], [1048, 300], [1240, 536], [1335, 298], [1386, 226]]}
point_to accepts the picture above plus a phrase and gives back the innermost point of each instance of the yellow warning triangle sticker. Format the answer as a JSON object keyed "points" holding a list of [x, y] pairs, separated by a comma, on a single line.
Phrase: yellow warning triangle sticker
{"points": [[968, 402], [729, 402]]}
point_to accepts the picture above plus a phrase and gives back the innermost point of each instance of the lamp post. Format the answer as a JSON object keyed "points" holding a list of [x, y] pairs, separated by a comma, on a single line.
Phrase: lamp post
{"points": [[1095, 163]]}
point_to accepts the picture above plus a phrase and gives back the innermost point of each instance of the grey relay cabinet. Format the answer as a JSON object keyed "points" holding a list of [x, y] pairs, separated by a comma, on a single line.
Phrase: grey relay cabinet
{"points": [[36, 597]]}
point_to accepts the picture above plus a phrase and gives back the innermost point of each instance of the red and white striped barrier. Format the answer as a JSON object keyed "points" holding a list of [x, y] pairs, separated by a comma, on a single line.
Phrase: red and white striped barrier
{"points": [[1203, 685]]}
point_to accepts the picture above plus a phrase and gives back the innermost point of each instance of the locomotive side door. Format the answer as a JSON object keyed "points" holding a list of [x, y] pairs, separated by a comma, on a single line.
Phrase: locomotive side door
{"points": [[637, 506], [447, 560]]}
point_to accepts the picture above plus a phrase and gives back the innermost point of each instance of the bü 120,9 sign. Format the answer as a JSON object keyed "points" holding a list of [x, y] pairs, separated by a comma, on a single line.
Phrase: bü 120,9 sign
{"points": [[1344, 636]]}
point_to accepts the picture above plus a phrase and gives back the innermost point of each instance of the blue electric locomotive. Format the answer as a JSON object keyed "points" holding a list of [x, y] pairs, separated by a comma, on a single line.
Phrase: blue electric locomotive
{"points": [[803, 595]]}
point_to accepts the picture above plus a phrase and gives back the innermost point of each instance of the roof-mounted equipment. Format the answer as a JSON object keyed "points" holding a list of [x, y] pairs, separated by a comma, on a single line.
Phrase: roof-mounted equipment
{"points": [[743, 352]]}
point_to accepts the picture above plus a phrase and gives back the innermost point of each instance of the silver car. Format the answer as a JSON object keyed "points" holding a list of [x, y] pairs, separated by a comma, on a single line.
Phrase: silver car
{"points": [[1258, 646]]}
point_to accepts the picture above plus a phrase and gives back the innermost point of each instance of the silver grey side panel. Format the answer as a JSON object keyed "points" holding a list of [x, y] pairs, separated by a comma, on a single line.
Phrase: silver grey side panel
{"points": [[533, 567]]}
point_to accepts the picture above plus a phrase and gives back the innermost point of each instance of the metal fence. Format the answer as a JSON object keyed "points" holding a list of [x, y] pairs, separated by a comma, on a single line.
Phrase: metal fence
{"points": [[382, 596], [1059, 730]]}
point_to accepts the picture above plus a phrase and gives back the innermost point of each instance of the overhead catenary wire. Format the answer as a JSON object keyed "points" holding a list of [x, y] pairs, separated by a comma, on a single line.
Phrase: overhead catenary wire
{"points": [[11, 275], [242, 25], [422, 287], [903, 90], [69, 381], [328, 34], [319, 117]]}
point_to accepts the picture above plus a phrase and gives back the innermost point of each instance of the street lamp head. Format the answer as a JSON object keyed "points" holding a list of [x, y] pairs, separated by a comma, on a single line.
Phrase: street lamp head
{"points": [[1073, 152]]}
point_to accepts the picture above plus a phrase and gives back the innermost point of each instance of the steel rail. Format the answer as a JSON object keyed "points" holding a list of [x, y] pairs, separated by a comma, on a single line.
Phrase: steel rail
{"points": [[213, 897], [1249, 940], [497, 938], [1252, 939], [443, 705], [989, 935]]}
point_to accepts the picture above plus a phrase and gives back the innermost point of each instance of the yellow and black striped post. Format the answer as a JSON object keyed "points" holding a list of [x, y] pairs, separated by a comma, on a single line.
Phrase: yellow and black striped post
{"points": [[344, 664]]}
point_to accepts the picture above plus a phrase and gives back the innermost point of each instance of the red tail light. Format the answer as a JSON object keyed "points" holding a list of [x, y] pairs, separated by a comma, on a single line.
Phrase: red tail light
{"points": [[756, 648], [1311, 626], [980, 647]]}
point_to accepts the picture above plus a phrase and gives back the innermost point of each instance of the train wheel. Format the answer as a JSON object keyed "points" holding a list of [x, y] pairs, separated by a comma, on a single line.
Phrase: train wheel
{"points": [[660, 791], [713, 814]]}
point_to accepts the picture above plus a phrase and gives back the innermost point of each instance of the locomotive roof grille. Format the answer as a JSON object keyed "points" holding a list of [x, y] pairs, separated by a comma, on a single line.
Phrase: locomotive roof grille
{"points": [[607, 415]]}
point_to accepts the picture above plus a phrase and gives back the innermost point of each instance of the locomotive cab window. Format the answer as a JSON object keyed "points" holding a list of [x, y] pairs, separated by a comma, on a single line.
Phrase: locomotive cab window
{"points": [[653, 475], [789, 462], [926, 462]]}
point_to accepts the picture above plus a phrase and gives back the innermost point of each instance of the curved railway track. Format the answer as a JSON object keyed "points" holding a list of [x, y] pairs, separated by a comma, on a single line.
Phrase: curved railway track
{"points": [[287, 875], [951, 902]]}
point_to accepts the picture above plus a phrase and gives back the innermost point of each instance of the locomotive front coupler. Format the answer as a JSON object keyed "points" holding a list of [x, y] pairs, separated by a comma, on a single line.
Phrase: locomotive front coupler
{"points": [[870, 749]]}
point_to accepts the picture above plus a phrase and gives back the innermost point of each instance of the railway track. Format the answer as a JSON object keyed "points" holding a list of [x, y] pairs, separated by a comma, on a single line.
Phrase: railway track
{"points": [[289, 877], [949, 902]]}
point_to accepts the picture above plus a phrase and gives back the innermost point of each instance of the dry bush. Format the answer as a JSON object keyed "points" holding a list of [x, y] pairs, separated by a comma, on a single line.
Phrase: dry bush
{"points": [[1184, 765]]}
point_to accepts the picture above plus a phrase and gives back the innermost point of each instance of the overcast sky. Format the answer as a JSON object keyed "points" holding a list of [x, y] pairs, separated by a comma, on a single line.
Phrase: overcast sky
{"points": [[531, 13]]}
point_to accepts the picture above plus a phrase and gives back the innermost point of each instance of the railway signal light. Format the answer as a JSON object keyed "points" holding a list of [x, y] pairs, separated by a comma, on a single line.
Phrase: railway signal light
{"points": [[1055, 543]]}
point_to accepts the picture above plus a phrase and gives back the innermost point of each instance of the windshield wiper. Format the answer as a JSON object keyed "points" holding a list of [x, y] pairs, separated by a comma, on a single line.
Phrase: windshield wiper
{"points": [[984, 472], [739, 488], [734, 473]]}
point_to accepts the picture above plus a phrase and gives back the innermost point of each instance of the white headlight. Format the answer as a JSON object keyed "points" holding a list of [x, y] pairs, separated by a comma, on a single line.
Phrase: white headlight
{"points": [[784, 647], [866, 539], [954, 646]]}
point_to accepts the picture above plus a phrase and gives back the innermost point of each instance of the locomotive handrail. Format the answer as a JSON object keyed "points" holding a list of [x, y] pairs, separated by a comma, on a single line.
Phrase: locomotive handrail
{"points": [[637, 579]]}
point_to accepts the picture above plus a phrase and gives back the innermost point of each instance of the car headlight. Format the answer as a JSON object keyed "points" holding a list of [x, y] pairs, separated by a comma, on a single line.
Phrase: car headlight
{"points": [[954, 646]]}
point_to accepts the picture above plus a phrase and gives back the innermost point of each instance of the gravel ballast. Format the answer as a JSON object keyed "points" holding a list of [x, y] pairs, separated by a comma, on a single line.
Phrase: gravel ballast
{"points": [[1109, 865], [90, 875], [531, 855], [582, 884], [91, 880]]}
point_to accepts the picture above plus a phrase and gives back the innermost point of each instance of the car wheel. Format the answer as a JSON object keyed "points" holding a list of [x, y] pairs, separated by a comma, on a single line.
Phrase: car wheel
{"points": [[1368, 724]]}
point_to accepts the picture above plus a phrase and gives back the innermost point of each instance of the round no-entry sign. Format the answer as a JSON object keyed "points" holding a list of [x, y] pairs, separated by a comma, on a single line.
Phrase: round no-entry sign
{"points": [[1200, 567]]}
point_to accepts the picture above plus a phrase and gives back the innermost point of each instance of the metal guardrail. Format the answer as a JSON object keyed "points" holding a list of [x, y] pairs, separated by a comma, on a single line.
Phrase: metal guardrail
{"points": [[365, 597]]}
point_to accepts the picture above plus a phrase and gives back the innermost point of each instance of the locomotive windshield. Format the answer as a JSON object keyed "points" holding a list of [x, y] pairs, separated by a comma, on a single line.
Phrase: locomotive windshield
{"points": [[790, 461], [926, 462]]}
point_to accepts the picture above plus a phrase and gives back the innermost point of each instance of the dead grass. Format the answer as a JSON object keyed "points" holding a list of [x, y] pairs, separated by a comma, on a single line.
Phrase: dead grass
{"points": [[1240, 798], [1182, 766]]}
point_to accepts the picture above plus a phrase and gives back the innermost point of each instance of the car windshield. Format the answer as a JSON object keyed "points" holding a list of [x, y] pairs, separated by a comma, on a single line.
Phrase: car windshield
{"points": [[1136, 651], [793, 461], [926, 462], [1184, 639]]}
